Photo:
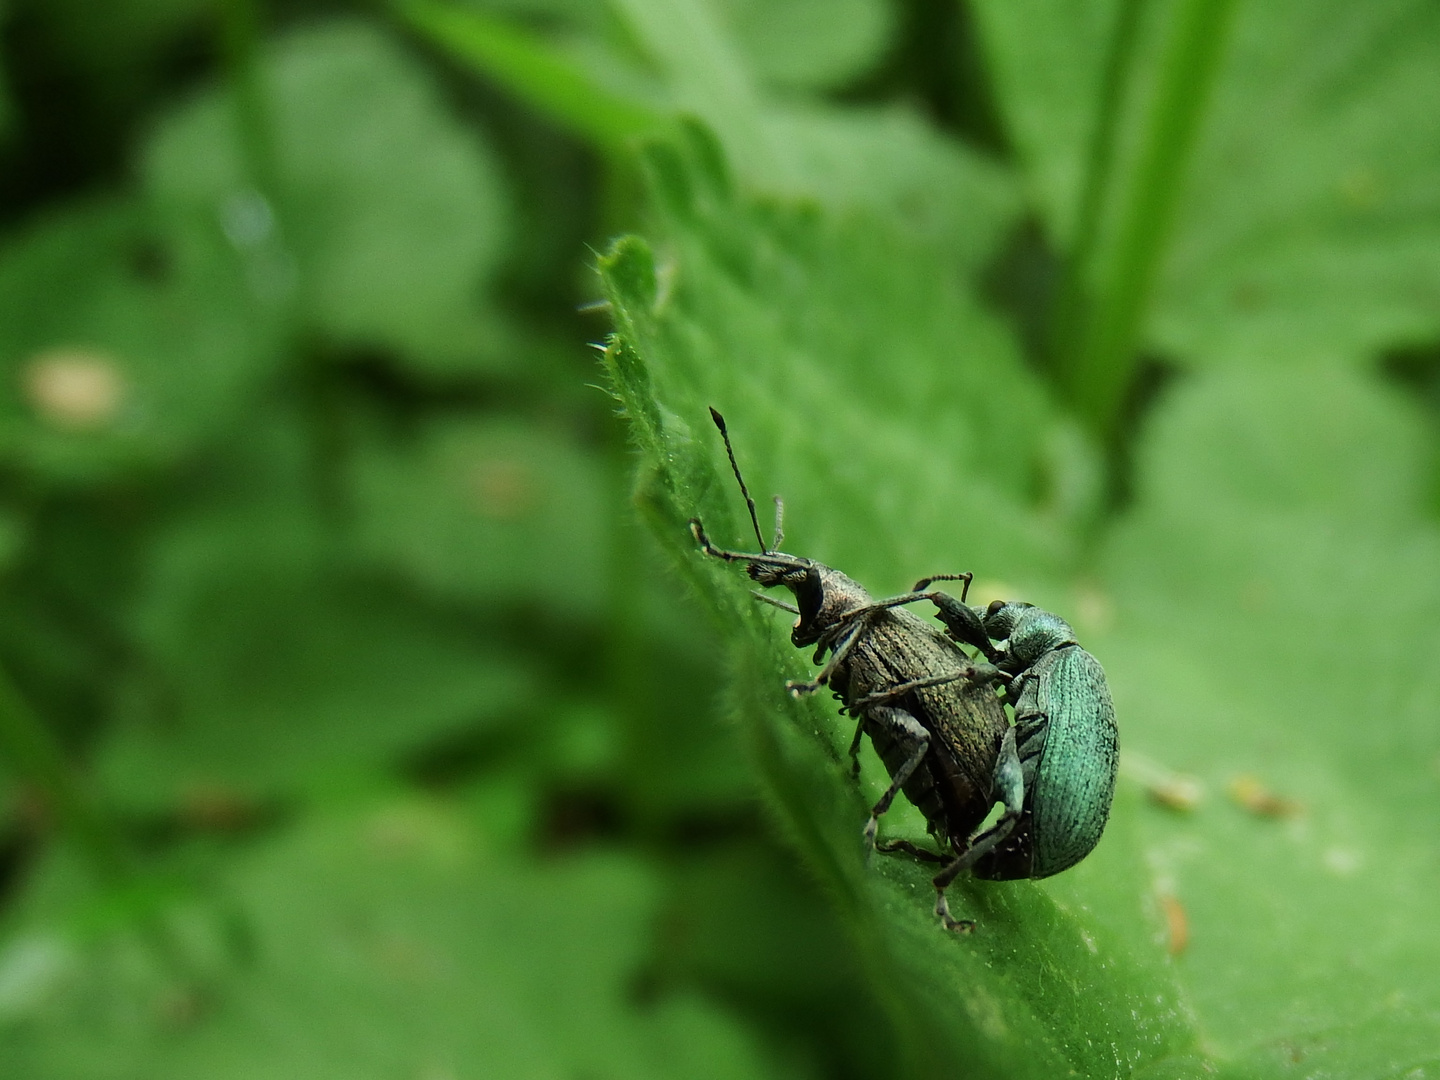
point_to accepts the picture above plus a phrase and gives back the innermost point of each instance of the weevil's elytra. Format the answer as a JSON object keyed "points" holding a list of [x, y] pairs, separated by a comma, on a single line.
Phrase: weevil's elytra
{"points": [[930, 710]]}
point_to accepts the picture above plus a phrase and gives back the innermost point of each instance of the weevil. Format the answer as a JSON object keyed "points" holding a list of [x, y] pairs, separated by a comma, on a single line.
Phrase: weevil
{"points": [[1065, 735], [931, 712]]}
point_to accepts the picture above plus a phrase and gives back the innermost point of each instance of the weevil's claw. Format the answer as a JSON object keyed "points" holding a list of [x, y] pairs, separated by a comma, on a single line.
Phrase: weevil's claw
{"points": [[799, 689], [942, 911]]}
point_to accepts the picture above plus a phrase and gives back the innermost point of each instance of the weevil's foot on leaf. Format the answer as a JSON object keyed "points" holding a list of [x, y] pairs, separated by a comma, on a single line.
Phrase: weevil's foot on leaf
{"points": [[907, 848], [942, 912], [799, 689], [871, 828]]}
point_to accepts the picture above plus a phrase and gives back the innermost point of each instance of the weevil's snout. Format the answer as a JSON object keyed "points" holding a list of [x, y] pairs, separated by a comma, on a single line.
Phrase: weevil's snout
{"points": [[807, 586]]}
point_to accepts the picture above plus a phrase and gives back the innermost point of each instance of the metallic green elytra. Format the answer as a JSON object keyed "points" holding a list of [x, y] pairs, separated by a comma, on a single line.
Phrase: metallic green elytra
{"points": [[1065, 739]]}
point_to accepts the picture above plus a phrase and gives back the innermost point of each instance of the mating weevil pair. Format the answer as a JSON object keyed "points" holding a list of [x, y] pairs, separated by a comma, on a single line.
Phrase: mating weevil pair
{"points": [[933, 715]]}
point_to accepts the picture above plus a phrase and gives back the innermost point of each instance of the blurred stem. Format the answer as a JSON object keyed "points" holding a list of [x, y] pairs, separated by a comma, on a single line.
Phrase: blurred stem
{"points": [[1110, 279], [240, 33], [1070, 309], [36, 757]]}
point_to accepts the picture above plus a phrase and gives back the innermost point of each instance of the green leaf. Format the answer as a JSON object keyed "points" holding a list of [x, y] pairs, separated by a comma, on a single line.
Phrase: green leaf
{"points": [[492, 512], [709, 61], [1266, 614], [128, 337], [1313, 220], [389, 942], [1280, 516], [777, 316], [270, 669], [1309, 215], [810, 44], [14, 530], [558, 83], [392, 215]]}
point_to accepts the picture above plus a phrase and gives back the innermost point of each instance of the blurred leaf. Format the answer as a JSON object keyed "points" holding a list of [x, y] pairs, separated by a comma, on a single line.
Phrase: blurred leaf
{"points": [[98, 67], [272, 669], [394, 214], [744, 922], [889, 161], [493, 511], [1310, 217], [13, 530], [870, 158], [7, 104], [1062, 975], [1313, 223], [810, 44], [120, 41], [559, 83], [392, 944], [1280, 514], [882, 159], [128, 338], [682, 758], [818, 332]]}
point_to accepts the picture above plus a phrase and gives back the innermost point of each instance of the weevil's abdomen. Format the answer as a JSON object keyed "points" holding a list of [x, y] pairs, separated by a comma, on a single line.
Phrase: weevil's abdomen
{"points": [[1069, 751], [953, 787], [924, 789]]}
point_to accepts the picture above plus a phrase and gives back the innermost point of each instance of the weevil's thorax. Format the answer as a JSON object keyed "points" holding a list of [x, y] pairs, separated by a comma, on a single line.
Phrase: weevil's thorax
{"points": [[839, 596], [1029, 631]]}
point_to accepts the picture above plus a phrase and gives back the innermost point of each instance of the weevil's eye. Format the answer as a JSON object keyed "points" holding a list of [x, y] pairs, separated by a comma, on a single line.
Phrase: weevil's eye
{"points": [[995, 607]]}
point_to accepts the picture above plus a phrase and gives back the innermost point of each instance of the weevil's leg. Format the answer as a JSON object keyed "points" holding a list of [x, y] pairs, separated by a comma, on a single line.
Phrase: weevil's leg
{"points": [[963, 623], [909, 733], [855, 746], [910, 849], [781, 604], [1014, 686], [837, 657], [1010, 786], [764, 558], [697, 530], [959, 618], [977, 672]]}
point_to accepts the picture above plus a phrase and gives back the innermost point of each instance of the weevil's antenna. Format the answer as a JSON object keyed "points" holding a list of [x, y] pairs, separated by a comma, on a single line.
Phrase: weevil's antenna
{"points": [[967, 577], [735, 468]]}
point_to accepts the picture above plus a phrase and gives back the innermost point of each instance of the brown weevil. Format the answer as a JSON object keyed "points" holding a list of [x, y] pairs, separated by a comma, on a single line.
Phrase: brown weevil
{"points": [[931, 711]]}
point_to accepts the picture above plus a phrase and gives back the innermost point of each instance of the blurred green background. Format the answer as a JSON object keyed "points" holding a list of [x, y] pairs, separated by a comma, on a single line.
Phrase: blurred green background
{"points": [[353, 722]]}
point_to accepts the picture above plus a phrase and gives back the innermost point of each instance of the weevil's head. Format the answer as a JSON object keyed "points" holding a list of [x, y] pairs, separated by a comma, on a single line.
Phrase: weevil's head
{"points": [[823, 595], [1029, 631]]}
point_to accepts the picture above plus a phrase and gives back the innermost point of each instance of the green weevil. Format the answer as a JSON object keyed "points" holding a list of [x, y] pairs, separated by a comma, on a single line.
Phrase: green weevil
{"points": [[930, 710], [1065, 736]]}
